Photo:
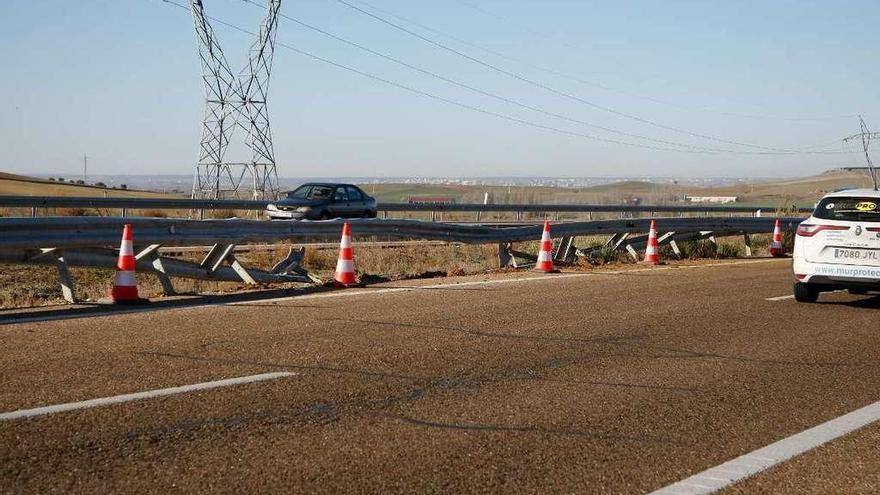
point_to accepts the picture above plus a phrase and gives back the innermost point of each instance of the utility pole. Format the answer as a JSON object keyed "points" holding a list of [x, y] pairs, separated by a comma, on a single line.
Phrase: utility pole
{"points": [[85, 167], [865, 137]]}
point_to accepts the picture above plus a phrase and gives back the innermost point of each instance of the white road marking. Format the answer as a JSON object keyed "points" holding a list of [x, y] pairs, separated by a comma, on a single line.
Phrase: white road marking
{"points": [[791, 296], [724, 475], [780, 298], [149, 394], [452, 285]]}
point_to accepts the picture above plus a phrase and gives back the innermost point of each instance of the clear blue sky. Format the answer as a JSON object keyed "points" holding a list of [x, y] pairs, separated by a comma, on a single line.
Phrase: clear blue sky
{"points": [[119, 80]]}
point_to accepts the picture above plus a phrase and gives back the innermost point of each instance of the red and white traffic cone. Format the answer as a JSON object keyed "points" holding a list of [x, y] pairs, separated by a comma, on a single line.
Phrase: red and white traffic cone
{"points": [[125, 289], [776, 247], [344, 276], [652, 255], [545, 255]]}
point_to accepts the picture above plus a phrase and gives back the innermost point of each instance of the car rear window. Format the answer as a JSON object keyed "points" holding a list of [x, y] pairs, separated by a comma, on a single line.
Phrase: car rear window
{"points": [[354, 194], [849, 208]]}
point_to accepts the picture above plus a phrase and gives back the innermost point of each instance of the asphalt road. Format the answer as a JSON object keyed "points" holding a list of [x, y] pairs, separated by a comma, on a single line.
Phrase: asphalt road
{"points": [[586, 383]]}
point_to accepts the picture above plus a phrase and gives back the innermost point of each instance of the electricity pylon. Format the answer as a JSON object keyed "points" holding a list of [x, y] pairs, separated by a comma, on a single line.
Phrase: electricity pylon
{"points": [[865, 136], [232, 102]]}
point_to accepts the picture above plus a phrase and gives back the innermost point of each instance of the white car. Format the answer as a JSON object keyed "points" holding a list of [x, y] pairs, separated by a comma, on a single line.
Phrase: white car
{"points": [[838, 247]]}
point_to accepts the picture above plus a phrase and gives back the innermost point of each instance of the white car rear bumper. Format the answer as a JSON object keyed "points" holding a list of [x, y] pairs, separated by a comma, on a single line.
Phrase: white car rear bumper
{"points": [[828, 273]]}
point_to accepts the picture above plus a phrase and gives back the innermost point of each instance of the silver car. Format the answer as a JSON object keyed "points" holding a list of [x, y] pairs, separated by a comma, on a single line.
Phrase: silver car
{"points": [[323, 201]]}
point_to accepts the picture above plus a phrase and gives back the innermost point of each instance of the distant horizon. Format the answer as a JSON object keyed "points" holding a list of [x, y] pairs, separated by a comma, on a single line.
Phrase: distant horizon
{"points": [[74, 176]]}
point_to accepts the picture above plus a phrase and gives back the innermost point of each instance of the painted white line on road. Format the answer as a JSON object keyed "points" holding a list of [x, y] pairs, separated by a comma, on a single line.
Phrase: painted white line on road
{"points": [[453, 285], [149, 394], [724, 475], [791, 296], [780, 298]]}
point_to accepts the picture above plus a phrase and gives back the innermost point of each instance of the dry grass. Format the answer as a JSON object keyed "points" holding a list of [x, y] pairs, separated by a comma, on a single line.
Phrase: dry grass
{"points": [[25, 286]]}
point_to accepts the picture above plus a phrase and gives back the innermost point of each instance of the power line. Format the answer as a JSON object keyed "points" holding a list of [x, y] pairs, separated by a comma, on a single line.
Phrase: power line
{"points": [[658, 101], [490, 94], [553, 90], [468, 106], [437, 97], [865, 136]]}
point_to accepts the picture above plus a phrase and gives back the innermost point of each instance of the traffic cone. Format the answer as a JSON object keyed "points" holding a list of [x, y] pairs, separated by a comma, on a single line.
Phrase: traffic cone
{"points": [[125, 289], [652, 256], [545, 255], [344, 276], [776, 247]]}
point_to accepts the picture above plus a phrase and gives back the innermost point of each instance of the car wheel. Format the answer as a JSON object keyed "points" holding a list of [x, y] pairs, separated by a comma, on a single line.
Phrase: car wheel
{"points": [[805, 293], [325, 215], [858, 292], [368, 214]]}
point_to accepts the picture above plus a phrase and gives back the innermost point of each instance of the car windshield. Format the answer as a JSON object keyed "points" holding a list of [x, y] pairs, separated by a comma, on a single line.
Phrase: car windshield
{"points": [[301, 192], [311, 192], [849, 208]]}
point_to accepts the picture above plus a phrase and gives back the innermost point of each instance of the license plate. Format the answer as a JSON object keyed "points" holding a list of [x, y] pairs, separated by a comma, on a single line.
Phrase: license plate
{"points": [[855, 255]]}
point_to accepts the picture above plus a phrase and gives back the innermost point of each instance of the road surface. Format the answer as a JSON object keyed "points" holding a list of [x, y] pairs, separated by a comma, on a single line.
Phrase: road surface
{"points": [[617, 382]]}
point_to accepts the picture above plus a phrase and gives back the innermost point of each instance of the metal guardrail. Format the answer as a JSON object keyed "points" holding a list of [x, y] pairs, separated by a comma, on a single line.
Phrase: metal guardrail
{"points": [[89, 241], [209, 204], [67, 232]]}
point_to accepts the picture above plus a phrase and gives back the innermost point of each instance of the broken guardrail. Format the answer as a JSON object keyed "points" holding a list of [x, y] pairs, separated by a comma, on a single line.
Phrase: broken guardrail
{"points": [[89, 241]]}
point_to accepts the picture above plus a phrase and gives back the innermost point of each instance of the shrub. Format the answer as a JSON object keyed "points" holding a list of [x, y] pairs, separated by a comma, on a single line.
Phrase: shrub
{"points": [[702, 248], [728, 250]]}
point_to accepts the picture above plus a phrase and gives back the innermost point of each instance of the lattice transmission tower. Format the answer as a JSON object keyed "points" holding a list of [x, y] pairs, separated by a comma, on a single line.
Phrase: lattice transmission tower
{"points": [[236, 102], [865, 136]]}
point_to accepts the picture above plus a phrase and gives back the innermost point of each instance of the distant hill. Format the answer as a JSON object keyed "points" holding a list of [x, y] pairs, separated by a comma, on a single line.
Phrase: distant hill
{"points": [[20, 185], [630, 187], [802, 190]]}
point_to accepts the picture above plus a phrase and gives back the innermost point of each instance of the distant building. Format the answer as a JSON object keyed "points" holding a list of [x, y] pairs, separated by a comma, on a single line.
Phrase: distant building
{"points": [[711, 199]]}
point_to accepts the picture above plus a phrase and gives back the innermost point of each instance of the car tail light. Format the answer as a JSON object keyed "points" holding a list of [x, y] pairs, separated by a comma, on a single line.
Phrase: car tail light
{"points": [[800, 276], [811, 229], [873, 229]]}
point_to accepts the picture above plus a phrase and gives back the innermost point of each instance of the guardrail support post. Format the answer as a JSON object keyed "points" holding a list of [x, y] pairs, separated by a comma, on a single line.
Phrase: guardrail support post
{"points": [[67, 286], [505, 258], [478, 216], [385, 214], [747, 240], [675, 248], [566, 249], [152, 253], [223, 252], [242, 272], [433, 216], [34, 211], [64, 276], [124, 212]]}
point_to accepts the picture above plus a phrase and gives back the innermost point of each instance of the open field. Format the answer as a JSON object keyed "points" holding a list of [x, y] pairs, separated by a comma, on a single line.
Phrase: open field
{"points": [[592, 382], [19, 185], [779, 193]]}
